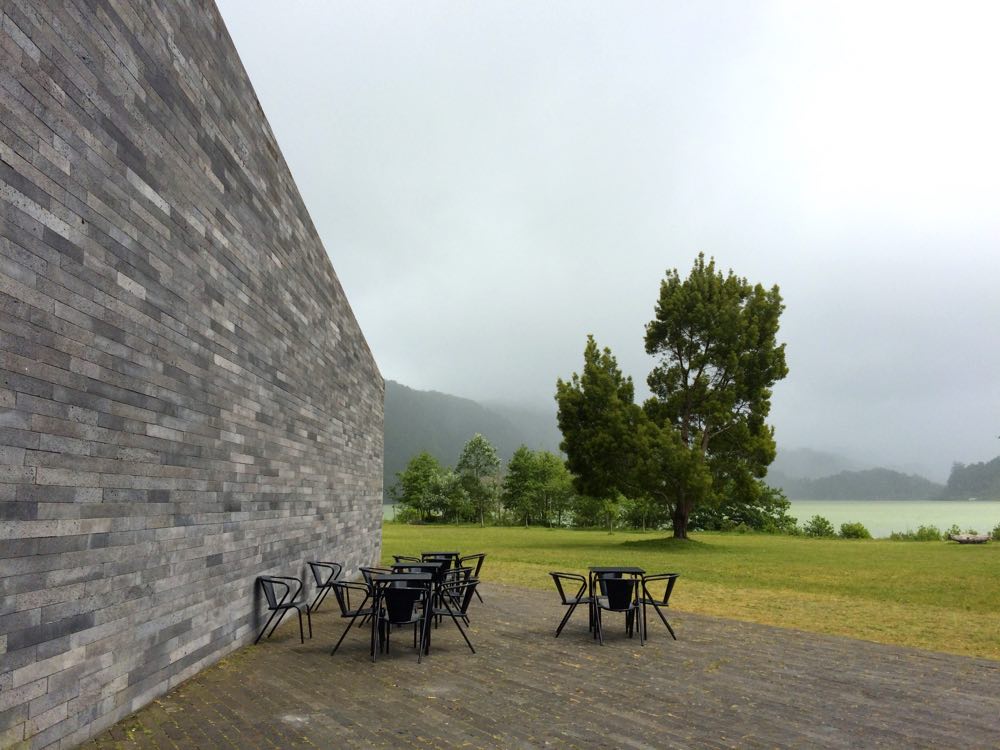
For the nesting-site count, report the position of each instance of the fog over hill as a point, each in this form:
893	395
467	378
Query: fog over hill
441	424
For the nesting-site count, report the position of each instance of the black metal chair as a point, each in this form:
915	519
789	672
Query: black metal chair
477	560
564	583
620	595
279	607
455	575
405	558
646	598
453	601
342	592
324	573
404	605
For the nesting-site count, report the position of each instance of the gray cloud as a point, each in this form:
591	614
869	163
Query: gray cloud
493	181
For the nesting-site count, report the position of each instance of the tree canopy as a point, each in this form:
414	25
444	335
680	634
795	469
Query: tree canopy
715	338
702	437
602	426
479	471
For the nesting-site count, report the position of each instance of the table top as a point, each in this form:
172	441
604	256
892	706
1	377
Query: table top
391	577
631	570
435	564
440	554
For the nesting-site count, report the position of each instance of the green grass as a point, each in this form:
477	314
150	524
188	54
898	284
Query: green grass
930	595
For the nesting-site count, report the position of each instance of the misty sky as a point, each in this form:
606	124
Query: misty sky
495	180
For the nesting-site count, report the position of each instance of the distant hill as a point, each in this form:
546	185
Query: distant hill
867	484
805	463
979	480
441	424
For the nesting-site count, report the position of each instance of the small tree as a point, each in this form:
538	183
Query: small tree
420	486
854	530
520	486
601	426
479	469
555	486
819	527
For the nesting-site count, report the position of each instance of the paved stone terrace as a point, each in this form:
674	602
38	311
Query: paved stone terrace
723	684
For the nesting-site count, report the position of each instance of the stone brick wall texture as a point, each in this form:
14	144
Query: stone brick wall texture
186	399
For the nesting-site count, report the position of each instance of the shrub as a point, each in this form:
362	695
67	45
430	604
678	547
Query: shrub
953	530
819	526
928	534
996	533
922	534
854	530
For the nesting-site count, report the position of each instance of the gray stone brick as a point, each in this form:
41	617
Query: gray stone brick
186	400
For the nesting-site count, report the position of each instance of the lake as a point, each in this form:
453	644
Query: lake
881	517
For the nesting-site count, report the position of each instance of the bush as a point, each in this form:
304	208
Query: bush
818	527
996	533
854	530
955	529
922	534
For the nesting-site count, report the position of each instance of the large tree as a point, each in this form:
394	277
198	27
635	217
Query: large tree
715	336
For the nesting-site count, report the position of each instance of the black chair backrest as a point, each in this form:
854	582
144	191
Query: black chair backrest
460	592
268	584
477	558
602	577
456	574
368	571
620	592
325	572
405	558
400	603
573	579
448	560
670	578
342	591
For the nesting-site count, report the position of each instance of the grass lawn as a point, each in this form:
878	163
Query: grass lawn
931	595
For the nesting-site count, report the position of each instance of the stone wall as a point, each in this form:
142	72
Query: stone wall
186	400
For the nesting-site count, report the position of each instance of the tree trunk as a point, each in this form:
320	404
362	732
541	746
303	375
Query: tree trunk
681	512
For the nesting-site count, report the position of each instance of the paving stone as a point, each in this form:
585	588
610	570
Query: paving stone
723	684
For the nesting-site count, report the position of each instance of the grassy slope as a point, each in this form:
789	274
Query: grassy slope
929	595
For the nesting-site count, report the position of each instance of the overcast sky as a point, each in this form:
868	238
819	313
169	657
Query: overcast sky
495	180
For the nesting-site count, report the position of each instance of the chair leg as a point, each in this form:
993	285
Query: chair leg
309	619
266	624
664	621
599	626
302	636
454	619
320	597
281	616
477	595
565	619
341	639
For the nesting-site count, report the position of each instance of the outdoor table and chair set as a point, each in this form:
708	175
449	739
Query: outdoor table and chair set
420	592
424	591
620	589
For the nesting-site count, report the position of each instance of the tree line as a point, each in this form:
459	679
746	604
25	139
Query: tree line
693	455
535	488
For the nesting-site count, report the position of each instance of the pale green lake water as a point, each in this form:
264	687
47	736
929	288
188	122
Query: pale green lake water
881	517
